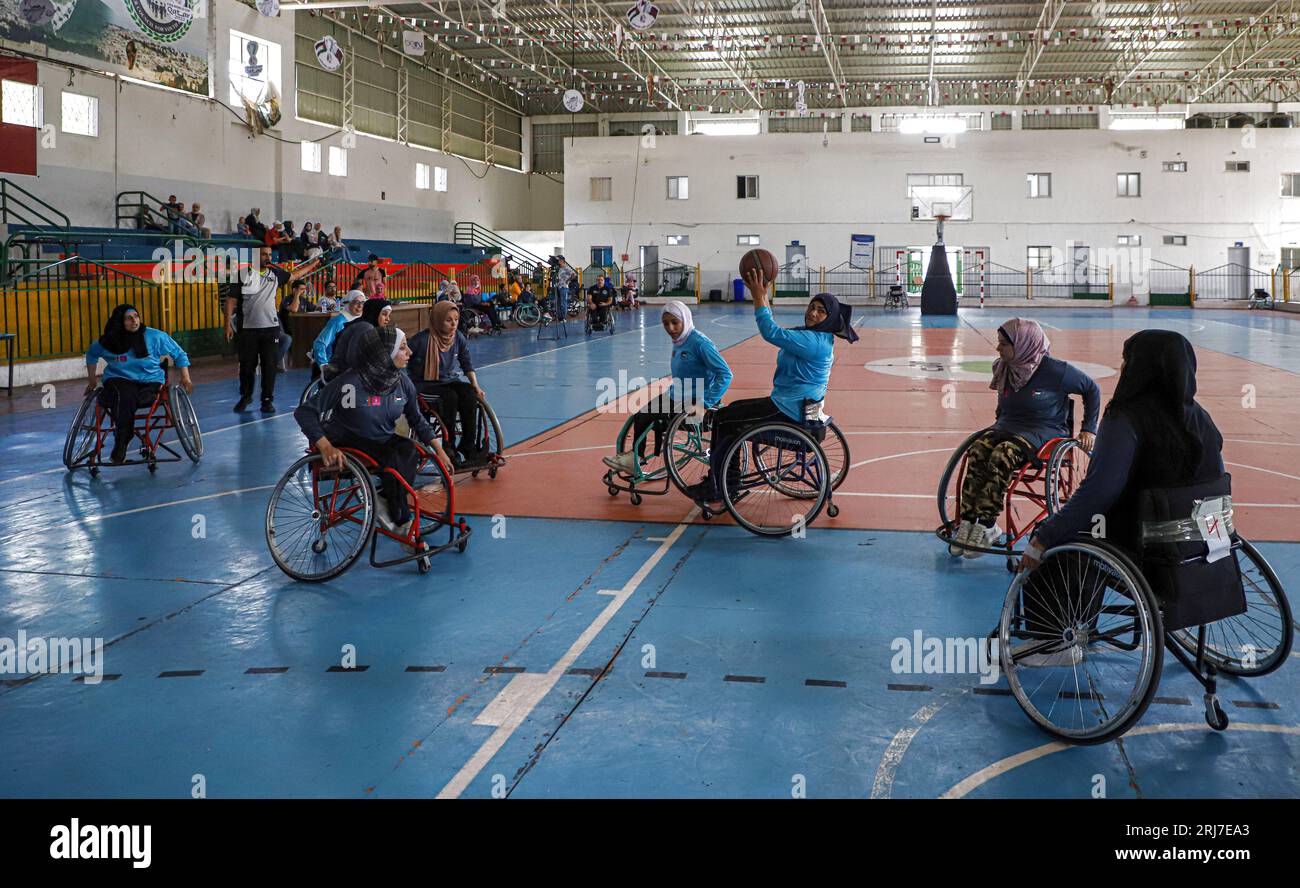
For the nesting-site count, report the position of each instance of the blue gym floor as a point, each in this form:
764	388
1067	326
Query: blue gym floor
736	666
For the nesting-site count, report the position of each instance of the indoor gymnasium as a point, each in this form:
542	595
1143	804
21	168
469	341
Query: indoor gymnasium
619	399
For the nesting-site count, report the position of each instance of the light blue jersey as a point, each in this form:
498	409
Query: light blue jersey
322	349
803	365
146	369
697	362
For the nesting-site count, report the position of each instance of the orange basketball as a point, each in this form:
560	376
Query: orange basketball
762	260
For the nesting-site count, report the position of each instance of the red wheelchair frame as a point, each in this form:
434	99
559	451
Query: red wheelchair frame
90	430
488	428
1045	482
349	503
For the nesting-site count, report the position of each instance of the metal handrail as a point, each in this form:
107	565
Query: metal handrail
469	233
6	186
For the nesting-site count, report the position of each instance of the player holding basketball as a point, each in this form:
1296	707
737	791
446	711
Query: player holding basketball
803	368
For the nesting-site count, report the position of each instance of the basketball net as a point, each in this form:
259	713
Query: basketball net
939	226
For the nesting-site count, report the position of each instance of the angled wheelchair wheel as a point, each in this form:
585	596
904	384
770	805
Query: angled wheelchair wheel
186	422
311	390
527	314
319	520
1066	470
836	450
776	481
83	434
433	486
1254	643
686	451
950	482
1081	642
489	429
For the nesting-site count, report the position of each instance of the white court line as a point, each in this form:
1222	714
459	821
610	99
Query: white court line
883	786
562	450
1269	443
997	769
926	496
510	707
180	502
923	432
876	459
1265	471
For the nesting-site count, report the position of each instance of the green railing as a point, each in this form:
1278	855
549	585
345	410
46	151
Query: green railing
475	235
18	205
131	205
414	282
72	241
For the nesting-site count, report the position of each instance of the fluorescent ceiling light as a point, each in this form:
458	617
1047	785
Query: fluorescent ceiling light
1146	123
914	125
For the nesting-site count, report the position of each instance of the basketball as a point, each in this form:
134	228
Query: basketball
762	260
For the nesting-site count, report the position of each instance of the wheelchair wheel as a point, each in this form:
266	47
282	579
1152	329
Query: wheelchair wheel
688	444
187	423
836	450
83	436
433	486
311	390
490	439
319	521
951	481
527	314
1081	642
1065	472
1254	643
779	482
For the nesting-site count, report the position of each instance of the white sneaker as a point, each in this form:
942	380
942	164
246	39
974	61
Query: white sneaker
982	537
959	536
623	462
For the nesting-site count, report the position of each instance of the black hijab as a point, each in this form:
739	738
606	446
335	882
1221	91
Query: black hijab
372	309
118	340
839	318
374	360
1157	392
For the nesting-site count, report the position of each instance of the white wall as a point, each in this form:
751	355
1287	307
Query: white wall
166	142
857	185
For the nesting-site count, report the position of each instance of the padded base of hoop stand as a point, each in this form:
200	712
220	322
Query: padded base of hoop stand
938	294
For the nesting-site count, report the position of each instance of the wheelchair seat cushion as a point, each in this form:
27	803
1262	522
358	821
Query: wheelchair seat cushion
1192	589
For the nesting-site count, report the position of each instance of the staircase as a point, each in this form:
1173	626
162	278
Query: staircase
473	234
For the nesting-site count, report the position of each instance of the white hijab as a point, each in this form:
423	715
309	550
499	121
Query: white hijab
401	338
679	310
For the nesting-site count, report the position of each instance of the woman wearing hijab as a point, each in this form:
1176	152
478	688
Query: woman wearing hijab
700	378
803	372
132	370
1153	435
1034	391
440	356
377	314
359	409
322	349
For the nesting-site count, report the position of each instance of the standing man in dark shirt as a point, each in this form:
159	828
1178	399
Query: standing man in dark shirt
251	314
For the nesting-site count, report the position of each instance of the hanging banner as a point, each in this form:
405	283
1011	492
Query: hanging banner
642	15
269	8
158	41
413	43
329	53
573	101
862	250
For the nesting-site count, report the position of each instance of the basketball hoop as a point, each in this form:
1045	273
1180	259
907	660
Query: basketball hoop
939	220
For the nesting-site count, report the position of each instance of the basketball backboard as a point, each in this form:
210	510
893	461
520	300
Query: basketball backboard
952	202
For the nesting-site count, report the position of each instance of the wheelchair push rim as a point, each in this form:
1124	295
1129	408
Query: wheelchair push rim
1254	643
187	423
836	450
318	521
1080	641
771	459
685	442
83	435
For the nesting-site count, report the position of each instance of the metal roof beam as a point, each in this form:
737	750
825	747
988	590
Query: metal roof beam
1243	47
1047	19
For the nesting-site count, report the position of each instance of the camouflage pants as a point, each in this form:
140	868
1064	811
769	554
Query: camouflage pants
992	461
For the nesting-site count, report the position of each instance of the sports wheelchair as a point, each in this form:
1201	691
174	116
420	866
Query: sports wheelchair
1038	489
773	463
171	408
682	459
489	442
896	297
319	519
596	320
1081	638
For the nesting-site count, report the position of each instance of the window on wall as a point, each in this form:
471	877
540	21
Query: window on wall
254	68
602	257
679	240
1175	240
80	115
1174	166
1128	184
311	157
1040	184
1291	184
747	187
1236	166
1038	257
1291	257
914	179
439	178
338	161
747	240
21	103
1129	240
602	188
422	178
679	187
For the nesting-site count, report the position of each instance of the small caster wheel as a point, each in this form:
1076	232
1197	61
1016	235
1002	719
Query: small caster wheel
1011	565
153	467
319	546
460	547
474	474
1215	717
94	472
608	478
636	498
833	510
492	473
613	491
706	513
424	564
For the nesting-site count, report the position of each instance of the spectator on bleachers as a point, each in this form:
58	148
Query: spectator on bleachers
329	300
293	247
311	240
147	220
276	240
256	228
200	221
374	279
242	229
177	221
337	247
